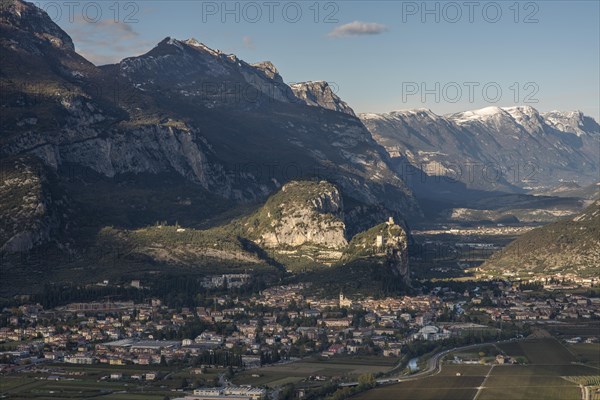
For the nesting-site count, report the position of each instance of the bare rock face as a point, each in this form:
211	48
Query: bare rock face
30	207
302	213
396	252
269	70
320	94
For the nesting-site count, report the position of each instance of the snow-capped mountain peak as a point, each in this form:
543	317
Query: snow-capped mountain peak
572	122
528	117
481	114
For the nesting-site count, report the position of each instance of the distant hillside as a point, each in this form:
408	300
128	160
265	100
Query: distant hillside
571	189
568	246
517	207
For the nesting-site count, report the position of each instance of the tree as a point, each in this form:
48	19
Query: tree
366	381
184	383
287	392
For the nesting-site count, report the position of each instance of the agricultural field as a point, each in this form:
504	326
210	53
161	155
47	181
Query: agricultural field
41	389
539	351
421	393
474	354
550	372
446	385
587	353
566	330
531	392
464	370
77	382
340	367
545	370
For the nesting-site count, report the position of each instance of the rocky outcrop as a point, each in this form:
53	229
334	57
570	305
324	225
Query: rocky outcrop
269	70
31	208
386	244
306	220
320	94
302	213
396	252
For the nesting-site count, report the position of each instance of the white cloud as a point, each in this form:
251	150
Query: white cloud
106	41
358	28
248	42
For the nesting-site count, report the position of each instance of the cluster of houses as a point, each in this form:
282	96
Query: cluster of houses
227	281
279	321
519	306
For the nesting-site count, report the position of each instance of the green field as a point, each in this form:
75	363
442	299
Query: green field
89	381
549	364
446	385
27	388
570	329
539	351
531	392
587	353
341	367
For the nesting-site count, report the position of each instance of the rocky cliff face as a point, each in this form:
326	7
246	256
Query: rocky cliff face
320	94
208	76
302	213
386	244
32	209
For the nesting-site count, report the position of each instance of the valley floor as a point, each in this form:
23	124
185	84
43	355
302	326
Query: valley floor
550	372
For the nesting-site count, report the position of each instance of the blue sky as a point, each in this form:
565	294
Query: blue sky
379	55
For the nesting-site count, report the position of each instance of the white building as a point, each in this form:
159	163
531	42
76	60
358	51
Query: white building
231	393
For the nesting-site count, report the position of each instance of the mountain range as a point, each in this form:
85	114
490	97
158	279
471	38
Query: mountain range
106	157
510	149
164	110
